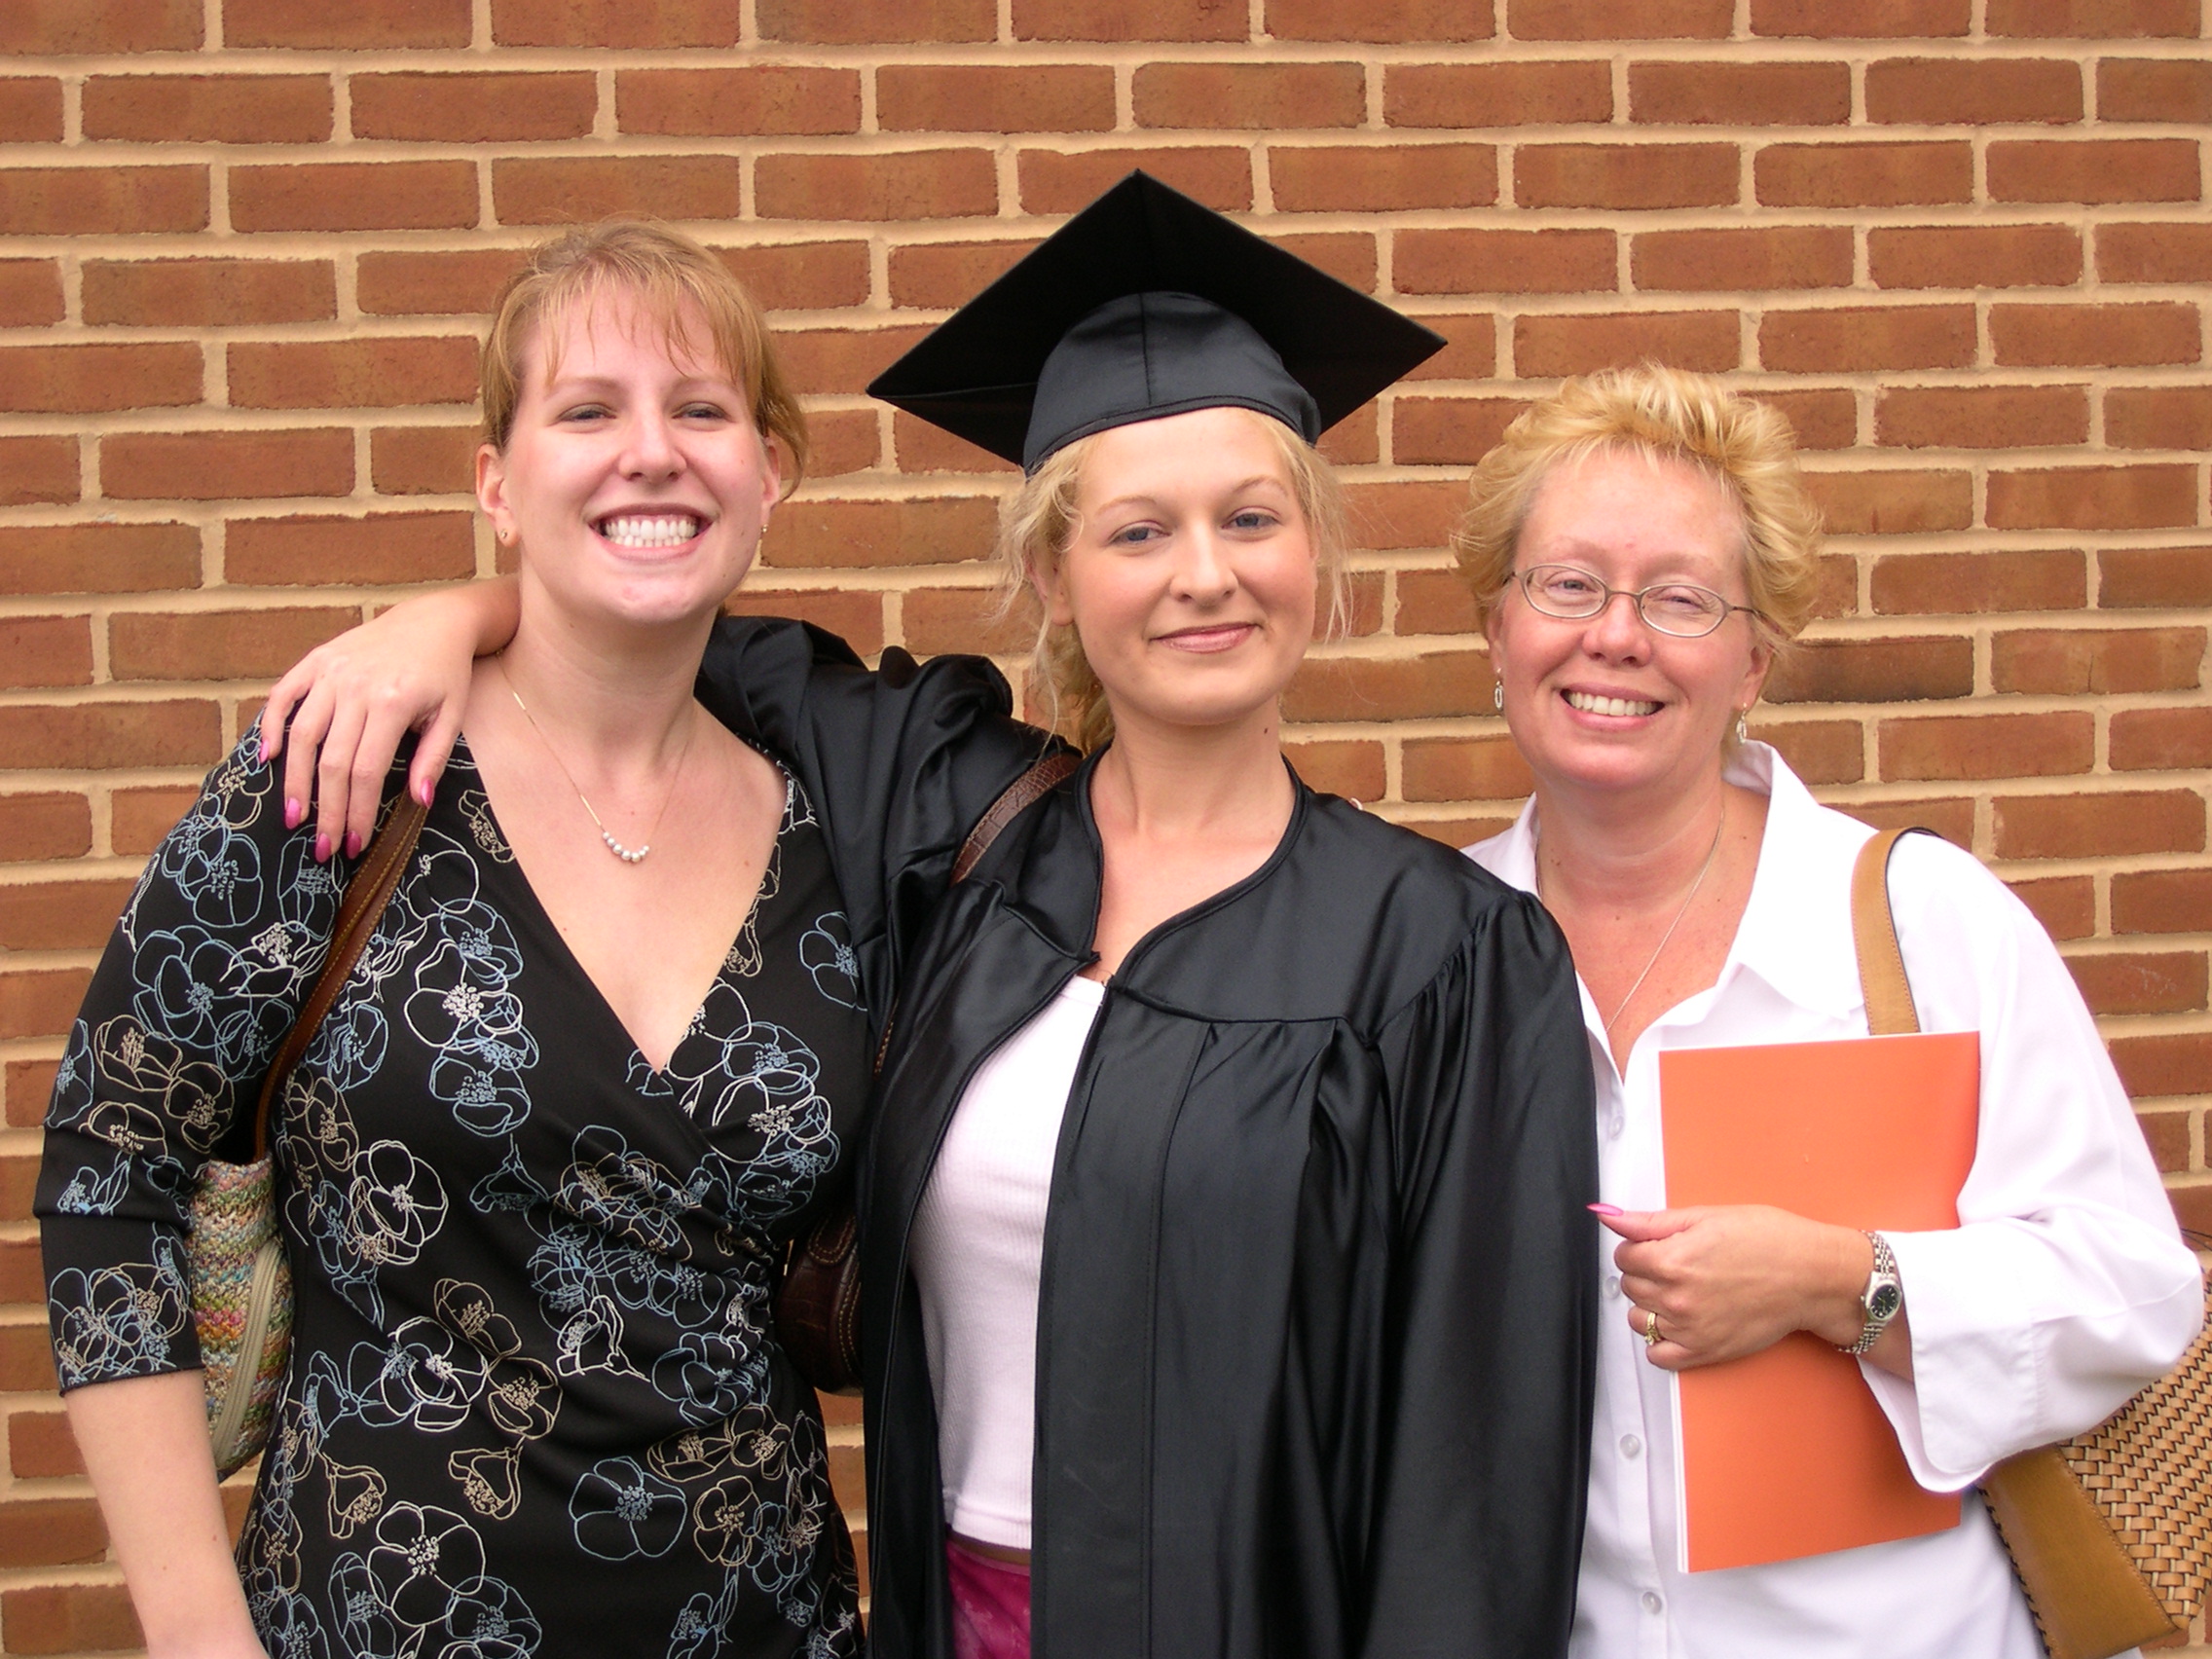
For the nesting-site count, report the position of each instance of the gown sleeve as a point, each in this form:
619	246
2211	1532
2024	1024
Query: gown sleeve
2066	1286
899	761
1486	1437
201	980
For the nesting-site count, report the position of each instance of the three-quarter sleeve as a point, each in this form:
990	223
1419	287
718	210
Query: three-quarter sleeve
1494	1305
2066	1286
199	986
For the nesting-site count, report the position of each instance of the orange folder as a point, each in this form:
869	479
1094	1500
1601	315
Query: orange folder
1787	1453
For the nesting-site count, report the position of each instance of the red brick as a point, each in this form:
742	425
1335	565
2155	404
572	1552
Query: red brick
1958	746
2097	661
58	27
1409	20
2158	417
825	360
2108	19
1495	94
84	379
209	293
207	467
1951	818
802	276
1655	19
2172	740
1716	261
945	274
69	1618
1739	93
911	184
1053	182
45	651
1385	516
219	644
1867	337
1269	96
548	191
2193	1207
2162	901
941	531
1930	91
654	25
49	1532
2173	1063
34	1003
34	469
1820	751
1378	178
1554	261
2094	497
868	22
2166	1133
979	98
2167	89
474	109
1625	175
2173	252
2141	982
40	1444
30	110
97	557
378	371
1452	831
857	618
139	818
2094	826
102	200
1901	173
965	619
1954	584
2096	336
840	441
1470	346
465	282
355	196
422	461
100	736
221	109
1984	417
60	915
1129	19
738	102
29	1087
1552	346
924	448
1350	256
1449	431
1822	419
1349	767
2065	904
1974	256
1456	768
382	548
2156	578
1873	671
31	293
2093	169
1863	20
1371	688
1835	586
363	25
44	825
1354	441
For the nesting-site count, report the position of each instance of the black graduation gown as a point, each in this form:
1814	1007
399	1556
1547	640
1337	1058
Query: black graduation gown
1318	1312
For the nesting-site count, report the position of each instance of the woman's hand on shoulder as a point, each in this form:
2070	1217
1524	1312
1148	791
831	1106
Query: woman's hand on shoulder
1730	1281
344	706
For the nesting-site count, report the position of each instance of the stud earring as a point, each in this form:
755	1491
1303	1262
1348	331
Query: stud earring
1497	695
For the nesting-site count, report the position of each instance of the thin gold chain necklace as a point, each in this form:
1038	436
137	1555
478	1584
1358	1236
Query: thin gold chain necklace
1661	949
628	855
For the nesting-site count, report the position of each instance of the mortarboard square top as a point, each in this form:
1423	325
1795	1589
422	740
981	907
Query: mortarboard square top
1147	303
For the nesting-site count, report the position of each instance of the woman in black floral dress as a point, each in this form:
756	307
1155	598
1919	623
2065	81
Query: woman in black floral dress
538	1166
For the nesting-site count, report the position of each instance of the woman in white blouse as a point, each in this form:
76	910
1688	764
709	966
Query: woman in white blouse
1640	548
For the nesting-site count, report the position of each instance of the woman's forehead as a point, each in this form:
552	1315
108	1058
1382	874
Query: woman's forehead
584	325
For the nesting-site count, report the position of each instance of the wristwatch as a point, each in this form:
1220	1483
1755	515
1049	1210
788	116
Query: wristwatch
1882	1299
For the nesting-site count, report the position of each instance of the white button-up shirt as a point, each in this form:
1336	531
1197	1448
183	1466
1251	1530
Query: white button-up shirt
2064	1289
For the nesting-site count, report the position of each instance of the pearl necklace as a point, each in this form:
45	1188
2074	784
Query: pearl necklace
628	855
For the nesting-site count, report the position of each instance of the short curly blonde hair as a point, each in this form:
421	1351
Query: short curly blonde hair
1042	520
1744	445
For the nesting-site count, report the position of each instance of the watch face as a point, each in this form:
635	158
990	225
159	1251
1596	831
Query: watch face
1883	1301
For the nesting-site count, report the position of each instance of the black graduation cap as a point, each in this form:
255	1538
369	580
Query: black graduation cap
1147	303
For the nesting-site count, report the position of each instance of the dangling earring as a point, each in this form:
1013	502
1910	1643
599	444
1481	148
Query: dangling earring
1744	726
1497	695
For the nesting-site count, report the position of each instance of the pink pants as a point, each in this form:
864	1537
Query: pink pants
990	1605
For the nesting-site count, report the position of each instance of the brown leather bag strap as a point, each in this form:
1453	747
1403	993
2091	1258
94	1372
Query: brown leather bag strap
1018	796
1890	1011
374	882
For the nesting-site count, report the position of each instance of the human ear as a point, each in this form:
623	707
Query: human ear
1052	594
491	492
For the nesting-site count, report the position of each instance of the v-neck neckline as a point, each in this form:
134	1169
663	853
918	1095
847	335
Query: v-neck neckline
661	1074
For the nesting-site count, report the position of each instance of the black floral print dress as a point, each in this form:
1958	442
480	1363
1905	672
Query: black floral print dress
535	1408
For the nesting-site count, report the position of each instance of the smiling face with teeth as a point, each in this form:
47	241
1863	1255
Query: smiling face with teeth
1608	704
634	480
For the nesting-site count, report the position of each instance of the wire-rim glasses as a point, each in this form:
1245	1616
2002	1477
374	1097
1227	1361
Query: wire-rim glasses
1682	609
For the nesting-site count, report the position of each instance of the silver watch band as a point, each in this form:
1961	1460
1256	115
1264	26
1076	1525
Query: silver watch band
1884	1277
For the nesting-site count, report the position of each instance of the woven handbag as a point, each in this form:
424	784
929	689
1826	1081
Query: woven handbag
817	1304
2111	1532
242	1285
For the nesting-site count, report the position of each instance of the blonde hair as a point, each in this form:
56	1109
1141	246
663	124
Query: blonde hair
675	280
1042	522
1741	444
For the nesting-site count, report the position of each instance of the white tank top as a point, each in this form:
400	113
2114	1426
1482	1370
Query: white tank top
978	1243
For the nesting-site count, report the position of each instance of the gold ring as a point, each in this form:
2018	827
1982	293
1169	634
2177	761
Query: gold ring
1652	1329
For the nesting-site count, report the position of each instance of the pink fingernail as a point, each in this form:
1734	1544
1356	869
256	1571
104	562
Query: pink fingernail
321	848
354	843
293	812
423	793
261	749
1606	1210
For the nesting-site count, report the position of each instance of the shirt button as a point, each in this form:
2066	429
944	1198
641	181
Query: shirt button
1652	1601
1613	1126
1631	1445
1612	1284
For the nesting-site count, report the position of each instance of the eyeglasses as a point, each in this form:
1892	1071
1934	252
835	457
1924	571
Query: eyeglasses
1683	609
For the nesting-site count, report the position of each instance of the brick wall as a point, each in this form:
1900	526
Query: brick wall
247	246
